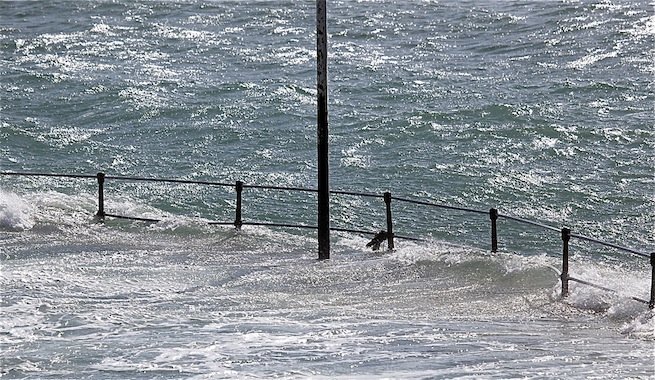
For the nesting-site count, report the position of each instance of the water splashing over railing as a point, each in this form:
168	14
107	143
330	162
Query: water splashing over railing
379	236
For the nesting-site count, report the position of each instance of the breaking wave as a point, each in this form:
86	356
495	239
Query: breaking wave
15	213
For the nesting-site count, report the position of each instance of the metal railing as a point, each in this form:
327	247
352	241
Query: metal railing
388	234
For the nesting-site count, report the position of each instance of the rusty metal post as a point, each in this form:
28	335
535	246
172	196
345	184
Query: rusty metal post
101	196
651	304
323	209
493	215
237	220
566	236
387	201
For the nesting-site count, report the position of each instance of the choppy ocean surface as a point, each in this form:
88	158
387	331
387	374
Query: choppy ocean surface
542	109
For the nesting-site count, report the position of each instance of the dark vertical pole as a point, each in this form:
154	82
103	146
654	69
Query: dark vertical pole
322	132
387	201
493	215
237	220
101	196
651	304
566	236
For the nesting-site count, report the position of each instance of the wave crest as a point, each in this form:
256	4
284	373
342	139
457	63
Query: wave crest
15	213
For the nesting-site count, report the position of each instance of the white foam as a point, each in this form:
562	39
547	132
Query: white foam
642	327
591	59
15	213
102	29
617	304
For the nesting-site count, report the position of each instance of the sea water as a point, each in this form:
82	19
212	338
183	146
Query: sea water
541	109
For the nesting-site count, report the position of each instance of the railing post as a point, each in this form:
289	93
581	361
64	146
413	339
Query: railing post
387	201
101	196
566	236
237	220
493	215
651	304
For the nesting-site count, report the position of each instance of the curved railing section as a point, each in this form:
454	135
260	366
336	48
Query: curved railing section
379	236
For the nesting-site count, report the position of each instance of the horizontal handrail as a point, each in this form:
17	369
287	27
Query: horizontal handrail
603	288
616	246
309	190
169	180
133	218
526	221
424	203
283	188
269	224
191	181
578	236
356	193
34	174
339	192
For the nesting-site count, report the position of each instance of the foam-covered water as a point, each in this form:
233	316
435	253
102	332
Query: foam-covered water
180	299
541	109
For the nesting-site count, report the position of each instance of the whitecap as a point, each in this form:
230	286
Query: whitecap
590	59
102	29
15	213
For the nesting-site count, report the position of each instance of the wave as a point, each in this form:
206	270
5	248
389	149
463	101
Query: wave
15	213
472	282
454	279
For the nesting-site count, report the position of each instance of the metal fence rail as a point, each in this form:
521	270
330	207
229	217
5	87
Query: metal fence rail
381	236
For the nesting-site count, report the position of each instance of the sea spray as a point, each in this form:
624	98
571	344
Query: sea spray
15	213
